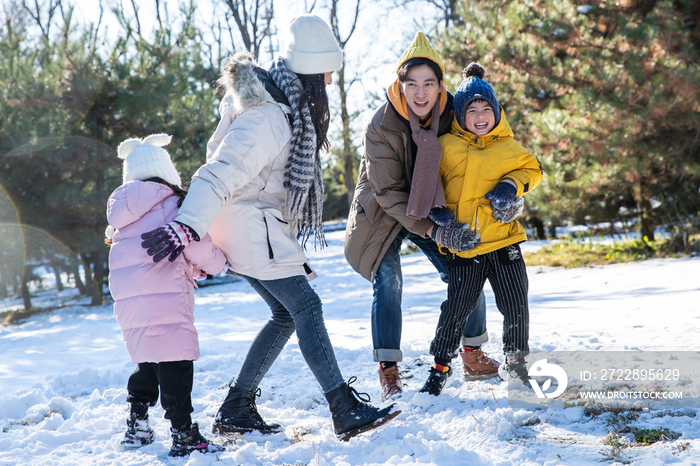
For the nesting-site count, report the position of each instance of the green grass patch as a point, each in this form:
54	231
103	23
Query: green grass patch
649	436
570	254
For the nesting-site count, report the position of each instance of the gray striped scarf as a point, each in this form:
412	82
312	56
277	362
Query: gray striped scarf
303	174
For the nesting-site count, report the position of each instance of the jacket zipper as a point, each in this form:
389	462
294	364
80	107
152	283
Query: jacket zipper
476	222
269	245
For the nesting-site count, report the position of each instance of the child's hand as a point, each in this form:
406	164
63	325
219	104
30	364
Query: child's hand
199	274
169	239
502	196
511	213
441	216
455	236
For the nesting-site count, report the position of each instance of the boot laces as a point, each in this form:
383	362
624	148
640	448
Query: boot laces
360	396
256	394
481	357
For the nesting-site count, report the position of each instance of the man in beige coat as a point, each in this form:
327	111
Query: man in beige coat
378	220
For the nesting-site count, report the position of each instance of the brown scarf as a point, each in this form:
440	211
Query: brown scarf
426	187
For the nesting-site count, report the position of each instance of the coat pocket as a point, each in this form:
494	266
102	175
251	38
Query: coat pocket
368	203
283	247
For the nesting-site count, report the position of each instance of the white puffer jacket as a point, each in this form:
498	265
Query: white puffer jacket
238	195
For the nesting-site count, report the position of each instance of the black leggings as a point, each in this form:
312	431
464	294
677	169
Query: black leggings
505	270
175	380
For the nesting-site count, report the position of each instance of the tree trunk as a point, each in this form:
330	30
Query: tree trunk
57	274
98	256
15	283
3	284
75	270
347	155
86	262
646	221
25	289
98	276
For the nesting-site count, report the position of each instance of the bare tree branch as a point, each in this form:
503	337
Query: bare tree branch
136	15
230	31
160	23
36	14
347	152
96	30
17	16
253	22
447	8
311	8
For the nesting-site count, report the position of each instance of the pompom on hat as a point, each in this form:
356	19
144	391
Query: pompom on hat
472	88
421	48
144	159
312	47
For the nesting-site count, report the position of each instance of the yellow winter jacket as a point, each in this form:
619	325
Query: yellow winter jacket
471	166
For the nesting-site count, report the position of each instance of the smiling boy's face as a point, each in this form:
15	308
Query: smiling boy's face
479	117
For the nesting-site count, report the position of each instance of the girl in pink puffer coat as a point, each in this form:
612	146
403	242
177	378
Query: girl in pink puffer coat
154	303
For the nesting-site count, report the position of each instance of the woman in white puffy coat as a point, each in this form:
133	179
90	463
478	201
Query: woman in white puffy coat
260	190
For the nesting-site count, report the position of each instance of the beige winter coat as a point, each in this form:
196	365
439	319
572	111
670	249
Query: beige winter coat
238	196
378	210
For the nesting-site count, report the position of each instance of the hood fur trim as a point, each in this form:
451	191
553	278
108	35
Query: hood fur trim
239	79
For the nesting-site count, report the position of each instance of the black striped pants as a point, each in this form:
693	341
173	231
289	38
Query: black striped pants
505	270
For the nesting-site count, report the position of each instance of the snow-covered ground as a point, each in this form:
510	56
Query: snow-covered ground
63	375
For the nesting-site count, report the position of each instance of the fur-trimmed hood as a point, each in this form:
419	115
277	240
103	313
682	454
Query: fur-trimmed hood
240	79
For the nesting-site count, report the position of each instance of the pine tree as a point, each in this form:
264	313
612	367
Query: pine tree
607	96
66	107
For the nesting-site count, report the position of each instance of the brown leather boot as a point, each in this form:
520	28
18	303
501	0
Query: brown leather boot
478	366
390	379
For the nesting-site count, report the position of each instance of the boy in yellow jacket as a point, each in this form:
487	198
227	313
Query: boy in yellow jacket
485	172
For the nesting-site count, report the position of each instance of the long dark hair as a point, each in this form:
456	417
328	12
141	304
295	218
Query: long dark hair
178	190
314	93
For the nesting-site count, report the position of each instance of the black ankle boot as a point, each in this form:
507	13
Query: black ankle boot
351	413
188	439
138	431
239	414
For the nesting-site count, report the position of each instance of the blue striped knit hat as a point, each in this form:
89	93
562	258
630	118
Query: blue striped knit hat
474	87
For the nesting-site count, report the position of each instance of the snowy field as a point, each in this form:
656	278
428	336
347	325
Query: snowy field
63	375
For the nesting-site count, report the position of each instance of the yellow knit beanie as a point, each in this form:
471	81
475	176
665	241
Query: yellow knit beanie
420	48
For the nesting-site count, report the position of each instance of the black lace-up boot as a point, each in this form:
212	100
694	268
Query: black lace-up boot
188	439
239	414
352	414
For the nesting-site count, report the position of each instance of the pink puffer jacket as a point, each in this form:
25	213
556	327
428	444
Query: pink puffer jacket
154	303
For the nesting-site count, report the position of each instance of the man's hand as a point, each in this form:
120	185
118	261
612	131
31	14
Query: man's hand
502	196
170	239
511	213
455	236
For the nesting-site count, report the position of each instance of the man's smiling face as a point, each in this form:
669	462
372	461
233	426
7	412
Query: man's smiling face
421	90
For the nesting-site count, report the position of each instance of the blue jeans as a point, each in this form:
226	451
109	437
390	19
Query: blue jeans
386	304
294	305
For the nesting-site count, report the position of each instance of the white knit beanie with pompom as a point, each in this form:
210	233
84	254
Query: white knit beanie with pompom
144	159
